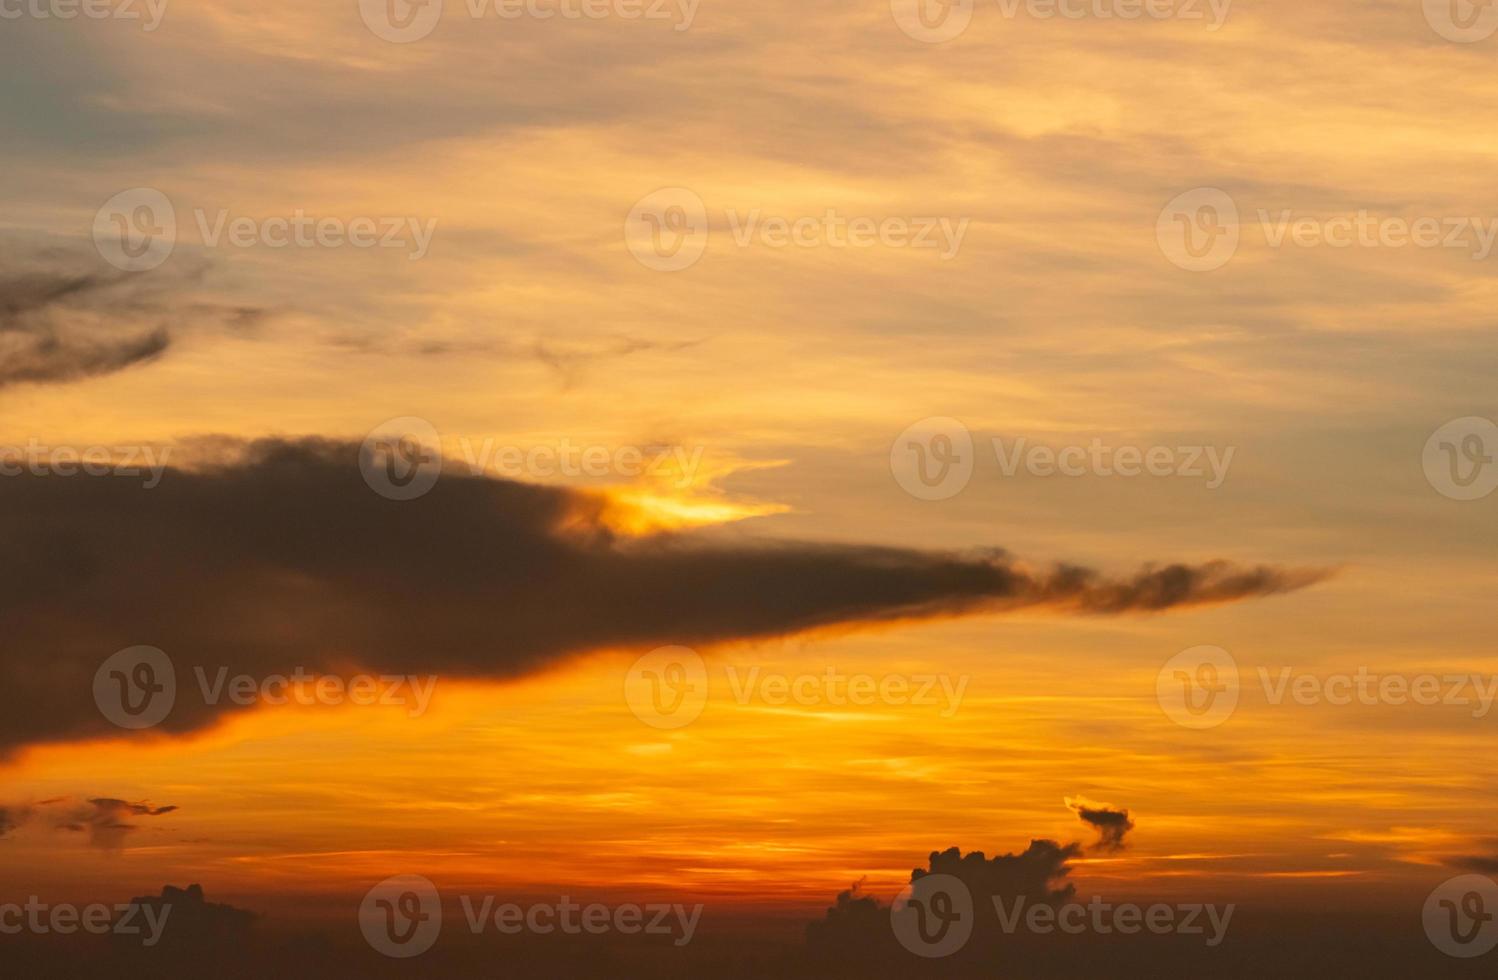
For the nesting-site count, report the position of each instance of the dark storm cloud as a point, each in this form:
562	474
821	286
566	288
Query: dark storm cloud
284	558
1111	823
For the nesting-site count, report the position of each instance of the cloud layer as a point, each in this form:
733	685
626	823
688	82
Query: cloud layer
64	317
107	821
284	558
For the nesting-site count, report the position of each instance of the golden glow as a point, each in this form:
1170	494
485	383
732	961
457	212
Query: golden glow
783	375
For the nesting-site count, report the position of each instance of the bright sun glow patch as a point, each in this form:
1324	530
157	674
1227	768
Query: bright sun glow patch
679	496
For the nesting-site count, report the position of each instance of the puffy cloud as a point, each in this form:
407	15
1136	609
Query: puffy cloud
1111	823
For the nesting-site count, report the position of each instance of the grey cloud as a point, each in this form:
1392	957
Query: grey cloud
282	557
62	319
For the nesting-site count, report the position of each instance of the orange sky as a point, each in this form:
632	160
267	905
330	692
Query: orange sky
793	371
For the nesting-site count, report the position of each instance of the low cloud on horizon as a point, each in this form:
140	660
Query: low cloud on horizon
106	820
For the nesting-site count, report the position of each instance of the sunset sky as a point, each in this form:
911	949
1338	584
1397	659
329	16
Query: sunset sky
781	378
